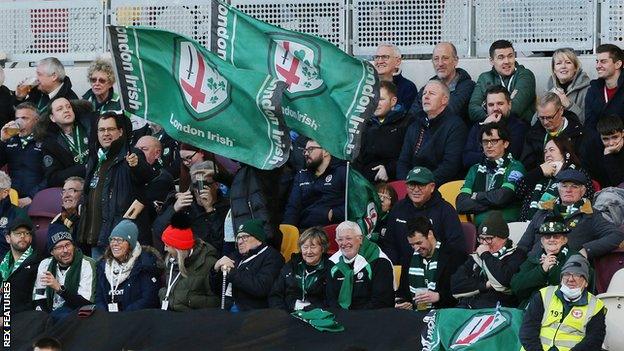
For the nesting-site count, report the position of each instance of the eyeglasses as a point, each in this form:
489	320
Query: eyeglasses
549	118
118	241
190	157
94	80
490	142
412	186
381	57
486	239
107	130
309	149
61	248
70	191
568	275
552	236
384	197
242	237
21	234
570	186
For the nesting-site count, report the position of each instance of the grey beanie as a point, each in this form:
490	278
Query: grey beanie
576	264
127	230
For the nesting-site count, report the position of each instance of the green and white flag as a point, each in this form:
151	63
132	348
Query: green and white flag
363	203
197	98
329	93
490	329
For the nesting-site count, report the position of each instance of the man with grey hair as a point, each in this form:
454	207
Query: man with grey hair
459	82
361	275
436	139
387	61
163	184
51	83
8	211
204	205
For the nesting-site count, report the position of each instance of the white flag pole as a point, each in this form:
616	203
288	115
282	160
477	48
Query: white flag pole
347	192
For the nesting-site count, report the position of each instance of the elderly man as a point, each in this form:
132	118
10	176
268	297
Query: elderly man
436	139
590	233
361	274
51	83
491	184
423	199
23	153
8	212
317	195
605	96
518	80
426	277
554	121
252	272
498	107
382	138
543	269
567	316
387	61
483	280
19	266
458	81
163	183
71	204
65	281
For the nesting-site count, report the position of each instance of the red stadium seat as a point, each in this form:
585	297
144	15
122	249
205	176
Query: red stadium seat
330	230
400	187
470	234
596	185
45	205
606	266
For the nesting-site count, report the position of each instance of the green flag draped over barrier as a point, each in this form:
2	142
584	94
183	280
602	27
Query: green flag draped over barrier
329	93
199	99
472	330
363	203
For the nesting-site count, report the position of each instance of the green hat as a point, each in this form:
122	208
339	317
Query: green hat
553	225
253	227
495	225
420	175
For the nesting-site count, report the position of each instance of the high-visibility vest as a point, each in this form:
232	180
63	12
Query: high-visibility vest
566	333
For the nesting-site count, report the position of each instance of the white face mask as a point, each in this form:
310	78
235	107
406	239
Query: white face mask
570	294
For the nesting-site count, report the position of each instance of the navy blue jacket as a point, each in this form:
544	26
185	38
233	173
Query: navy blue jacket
441	150
312	197
138	291
25	165
406	92
595	105
473	151
446	227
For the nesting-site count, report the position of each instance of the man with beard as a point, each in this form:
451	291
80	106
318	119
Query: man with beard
19	266
317	195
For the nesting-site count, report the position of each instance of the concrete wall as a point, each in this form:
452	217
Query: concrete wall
418	71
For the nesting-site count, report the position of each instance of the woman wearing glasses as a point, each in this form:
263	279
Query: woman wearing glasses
101	95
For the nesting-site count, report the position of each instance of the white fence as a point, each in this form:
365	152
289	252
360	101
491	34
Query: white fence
73	30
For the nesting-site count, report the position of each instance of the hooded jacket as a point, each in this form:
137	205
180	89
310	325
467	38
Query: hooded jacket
576	92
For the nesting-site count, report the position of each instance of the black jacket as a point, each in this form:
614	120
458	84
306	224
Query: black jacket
22	282
42	100
468	282
446	226
287	287
441	147
406	92
381	144
8	213
25	165
448	262
615	164
595	105
6	105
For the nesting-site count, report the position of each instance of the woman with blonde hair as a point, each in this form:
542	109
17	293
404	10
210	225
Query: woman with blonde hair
569	81
101	95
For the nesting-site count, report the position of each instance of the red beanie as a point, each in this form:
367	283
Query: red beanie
179	234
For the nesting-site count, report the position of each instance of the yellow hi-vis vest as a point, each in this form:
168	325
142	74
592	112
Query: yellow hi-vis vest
569	332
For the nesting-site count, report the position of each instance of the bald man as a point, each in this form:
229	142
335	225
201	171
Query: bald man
458	81
159	187
436	138
151	147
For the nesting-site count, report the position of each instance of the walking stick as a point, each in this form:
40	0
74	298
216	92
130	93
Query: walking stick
223	288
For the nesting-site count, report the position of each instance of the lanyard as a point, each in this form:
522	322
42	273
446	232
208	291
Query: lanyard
170	284
606	96
75	146
252	257
118	280
508	86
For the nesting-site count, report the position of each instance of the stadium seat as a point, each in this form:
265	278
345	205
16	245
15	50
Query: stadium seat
516	230
330	230
449	192
397	276
45	205
400	187
606	266
614	302
470	234
596	185
13	196
290	236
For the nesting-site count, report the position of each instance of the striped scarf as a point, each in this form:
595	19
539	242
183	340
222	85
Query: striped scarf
7	266
422	272
486	180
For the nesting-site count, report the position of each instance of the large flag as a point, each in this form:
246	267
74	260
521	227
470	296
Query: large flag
197	98
490	329
363	203
329	93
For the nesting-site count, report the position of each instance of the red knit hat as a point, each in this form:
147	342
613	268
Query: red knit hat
179	234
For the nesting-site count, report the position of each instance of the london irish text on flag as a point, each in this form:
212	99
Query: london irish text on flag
329	93
198	98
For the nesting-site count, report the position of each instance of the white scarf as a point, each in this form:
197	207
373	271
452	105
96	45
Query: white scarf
122	269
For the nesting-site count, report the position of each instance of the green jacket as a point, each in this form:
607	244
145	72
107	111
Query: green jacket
532	278
522	93
194	291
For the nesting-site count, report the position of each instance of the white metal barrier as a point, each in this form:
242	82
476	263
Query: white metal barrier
612	22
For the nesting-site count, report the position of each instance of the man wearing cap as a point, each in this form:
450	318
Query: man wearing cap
491	184
483	280
543	269
567	316
590	233
252	272
19	266
65	281
423	199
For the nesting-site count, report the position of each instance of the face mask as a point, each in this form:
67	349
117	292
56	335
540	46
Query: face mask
570	294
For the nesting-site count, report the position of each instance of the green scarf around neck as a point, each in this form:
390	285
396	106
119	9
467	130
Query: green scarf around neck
72	279
484	180
7	266
422	272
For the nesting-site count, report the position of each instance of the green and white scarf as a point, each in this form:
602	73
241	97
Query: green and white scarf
25	140
486	181
423	273
307	276
7	266
567	211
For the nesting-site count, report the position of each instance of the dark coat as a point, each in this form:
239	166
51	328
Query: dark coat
381	144
595	105
42	100
615	164
22	282
287	287
441	148
25	165
406	92
6	105
8	213
139	291
446	226
449	260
